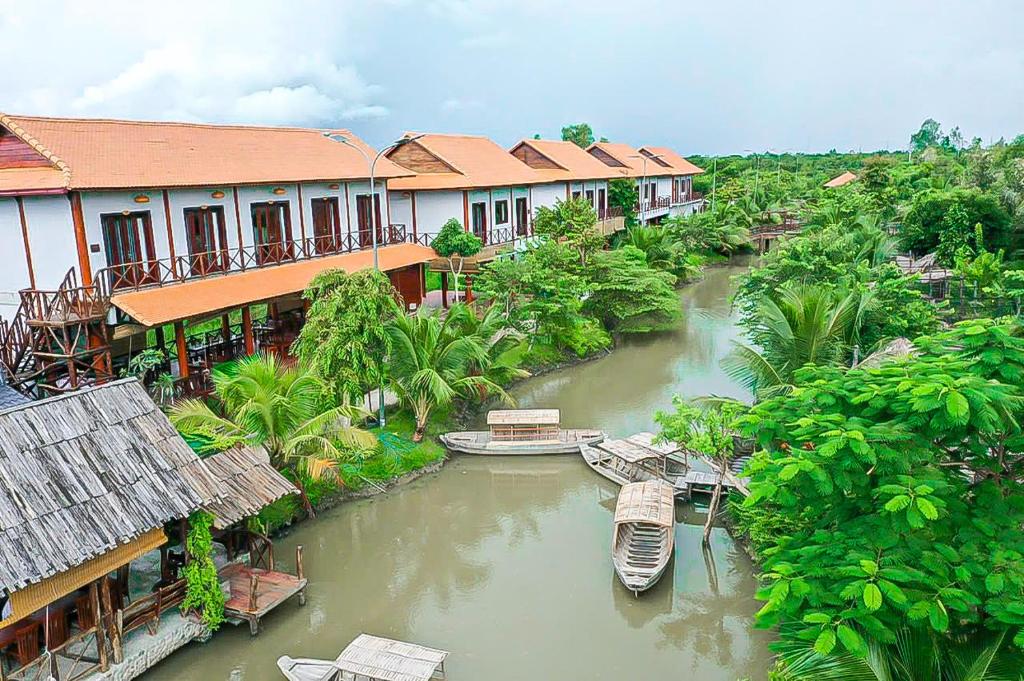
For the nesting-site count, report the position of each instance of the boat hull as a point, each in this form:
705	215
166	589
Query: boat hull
478	443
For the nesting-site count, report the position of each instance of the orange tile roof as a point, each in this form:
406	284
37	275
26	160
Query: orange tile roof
576	163
625	154
112	154
673	159
840	180
475	161
201	297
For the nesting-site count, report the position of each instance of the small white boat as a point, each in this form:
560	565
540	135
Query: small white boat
370	658
644	537
521	432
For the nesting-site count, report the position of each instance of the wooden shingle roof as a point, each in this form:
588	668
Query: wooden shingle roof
248	482
86	472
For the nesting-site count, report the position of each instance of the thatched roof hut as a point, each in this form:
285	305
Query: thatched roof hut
248	482
87	474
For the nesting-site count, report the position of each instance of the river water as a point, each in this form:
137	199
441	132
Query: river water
506	562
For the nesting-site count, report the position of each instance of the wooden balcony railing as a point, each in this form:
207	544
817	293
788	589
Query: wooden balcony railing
609	213
656	203
138	275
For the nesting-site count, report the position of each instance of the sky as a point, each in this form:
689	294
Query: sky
708	77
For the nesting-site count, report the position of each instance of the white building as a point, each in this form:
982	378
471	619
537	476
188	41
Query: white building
664	178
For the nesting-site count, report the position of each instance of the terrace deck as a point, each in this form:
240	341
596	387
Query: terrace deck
255	592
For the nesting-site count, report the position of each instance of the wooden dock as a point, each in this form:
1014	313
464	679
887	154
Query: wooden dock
255	592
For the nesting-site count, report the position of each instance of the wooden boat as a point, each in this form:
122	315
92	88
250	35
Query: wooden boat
521	432
645	517
370	658
635	459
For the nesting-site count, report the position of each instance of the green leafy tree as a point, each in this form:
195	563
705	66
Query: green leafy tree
628	296
928	135
343	339
432	362
705	427
456	244
622	194
573	222
905	482
280	408
926	220
579	134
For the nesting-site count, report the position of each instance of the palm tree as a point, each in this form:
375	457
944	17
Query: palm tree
916	655
662	251
278	407
806	325
432	363
499	341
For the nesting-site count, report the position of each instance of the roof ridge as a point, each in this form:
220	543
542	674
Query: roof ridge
541	152
8	122
68	395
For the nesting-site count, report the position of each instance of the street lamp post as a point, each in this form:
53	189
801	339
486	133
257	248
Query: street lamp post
372	163
643	180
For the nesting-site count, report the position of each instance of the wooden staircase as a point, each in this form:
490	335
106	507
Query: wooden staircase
57	341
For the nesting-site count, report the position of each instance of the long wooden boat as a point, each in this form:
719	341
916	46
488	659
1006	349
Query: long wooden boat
481	442
635	459
644	536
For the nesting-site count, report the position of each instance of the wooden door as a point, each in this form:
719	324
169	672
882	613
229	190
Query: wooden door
522	216
327	226
272	230
128	242
207	240
364	220
479	220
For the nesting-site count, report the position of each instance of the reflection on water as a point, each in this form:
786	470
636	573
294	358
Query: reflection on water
506	562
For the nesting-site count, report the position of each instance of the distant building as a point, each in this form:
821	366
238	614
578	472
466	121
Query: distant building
840	180
665	179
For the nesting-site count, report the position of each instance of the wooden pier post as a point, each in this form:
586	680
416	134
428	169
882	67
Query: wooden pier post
101	642
108	612
300	573
254	620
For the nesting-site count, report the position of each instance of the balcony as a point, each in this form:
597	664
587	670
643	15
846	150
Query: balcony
657	203
610	220
139	275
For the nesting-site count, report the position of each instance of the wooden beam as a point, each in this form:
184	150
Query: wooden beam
24	236
465	210
302	215
170	234
250	344
182	348
414	233
348	213
238	224
225	327
81	240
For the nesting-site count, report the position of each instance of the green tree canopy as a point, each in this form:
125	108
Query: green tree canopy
455	243
343	339
904	485
573	222
627	295
579	134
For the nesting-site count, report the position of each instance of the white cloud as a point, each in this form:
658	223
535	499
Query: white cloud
455	104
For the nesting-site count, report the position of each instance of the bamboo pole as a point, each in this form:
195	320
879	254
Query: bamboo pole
108	619
101	641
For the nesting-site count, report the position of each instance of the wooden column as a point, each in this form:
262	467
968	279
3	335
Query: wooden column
81	240
24	237
444	290
250	344
465	210
182	347
469	289
101	639
225	327
108	617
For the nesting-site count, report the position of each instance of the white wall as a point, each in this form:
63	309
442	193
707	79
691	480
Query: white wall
434	208
51	236
546	195
14	270
401	209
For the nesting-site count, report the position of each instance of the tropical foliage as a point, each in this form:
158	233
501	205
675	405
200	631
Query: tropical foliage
433	362
343	339
280	408
455	243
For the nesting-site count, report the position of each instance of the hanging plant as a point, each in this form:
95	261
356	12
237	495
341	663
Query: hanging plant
202	592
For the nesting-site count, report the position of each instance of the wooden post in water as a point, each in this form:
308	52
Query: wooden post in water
713	508
254	621
300	573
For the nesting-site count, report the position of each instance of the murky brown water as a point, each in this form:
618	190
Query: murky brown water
506	562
